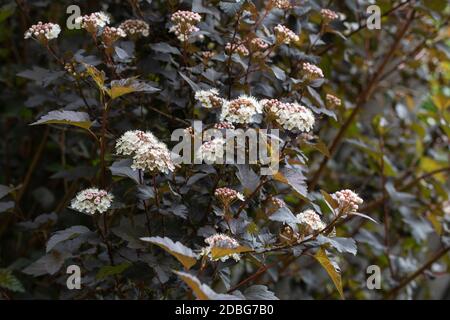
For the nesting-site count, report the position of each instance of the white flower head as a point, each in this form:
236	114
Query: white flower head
43	31
184	24
94	21
348	201
245	110
92	201
147	151
285	35
209	98
328	15
310	219
220	240
312	71
290	115
332	101
228	195
212	151
135	27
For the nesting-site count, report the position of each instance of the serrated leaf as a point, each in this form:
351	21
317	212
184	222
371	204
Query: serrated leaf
129	85
183	254
74	118
217	252
340	244
63	235
284	215
293	177
96	75
191	83
259	292
9	281
108	271
329	200
322	258
203	291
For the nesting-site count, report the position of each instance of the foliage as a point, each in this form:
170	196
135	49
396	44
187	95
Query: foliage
66	100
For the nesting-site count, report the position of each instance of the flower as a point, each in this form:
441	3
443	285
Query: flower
259	44
332	101
147	151
212	151
220	240
311	220
240	49
228	195
135	27
184	24
290	115
328	15
245	109
94	21
92	200
278	203
312	71
73	69
224	125
111	35
282	4
43	31
348	201
285	35
209	98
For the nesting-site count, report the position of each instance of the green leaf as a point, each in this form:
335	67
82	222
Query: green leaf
108	271
217	252
329	200
183	254
96	75
74	118
129	85
322	258
9	281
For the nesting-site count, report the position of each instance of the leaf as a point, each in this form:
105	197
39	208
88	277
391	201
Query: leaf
340	244
203	291
217	252
41	76
279	73
284	215
259	292
231	8
6	205
9	281
74	118
108	271
96	75
165	48
329	200
122	168
364	216
4	190
295	178
193	85
183	254
129	85
248	178
47	264
63	235
322	258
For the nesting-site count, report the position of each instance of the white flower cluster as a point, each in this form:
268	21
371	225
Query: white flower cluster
312	71
332	101
224	125
277	203
112	34
282	4
311	220
91	201
184	24
220	240
328	15
94	21
259	44
285	35
135	27
290	115
348	201
43	31
240	49
245	109
212	151
147	151
209	98
228	195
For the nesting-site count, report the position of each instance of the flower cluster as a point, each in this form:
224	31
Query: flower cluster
311	220
228	195
312	71
348	201
285	35
184	24
71	68
240	49
290	115
147	151
91	201
332	101
245	110
135	27
111	35
94	21
43	31
259	44
209	98
212	151
328	15
278	203
224	125
220	240
282	4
